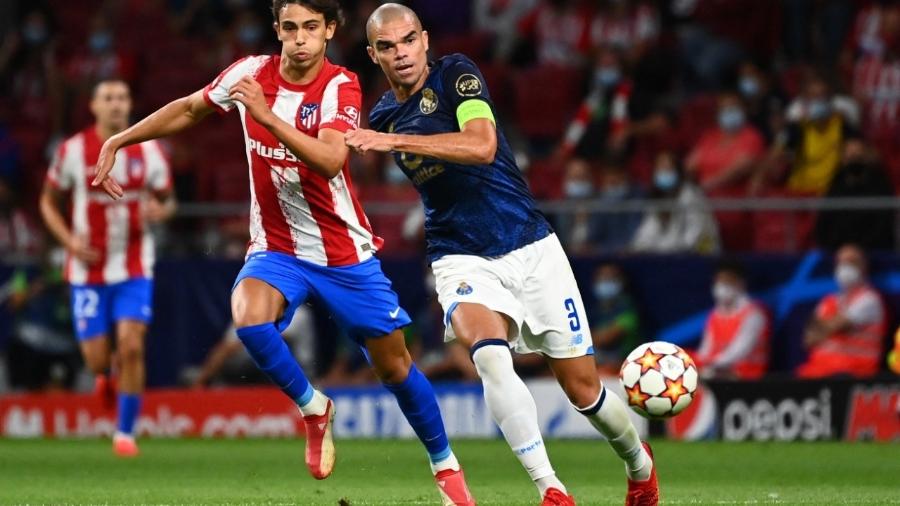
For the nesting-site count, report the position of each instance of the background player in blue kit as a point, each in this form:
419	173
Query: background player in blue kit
501	275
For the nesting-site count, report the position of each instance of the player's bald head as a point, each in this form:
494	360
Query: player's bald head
388	13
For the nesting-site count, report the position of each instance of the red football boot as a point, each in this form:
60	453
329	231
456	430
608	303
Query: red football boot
644	493
125	446
320	443
556	497
452	486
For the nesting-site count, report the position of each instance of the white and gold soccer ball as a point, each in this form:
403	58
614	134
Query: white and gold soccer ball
659	379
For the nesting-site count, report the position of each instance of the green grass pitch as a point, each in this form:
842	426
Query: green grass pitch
271	472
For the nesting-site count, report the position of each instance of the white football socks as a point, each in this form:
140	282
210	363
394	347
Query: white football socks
609	416
316	406
448	463
513	409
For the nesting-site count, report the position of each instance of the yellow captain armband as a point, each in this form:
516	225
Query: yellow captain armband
473	109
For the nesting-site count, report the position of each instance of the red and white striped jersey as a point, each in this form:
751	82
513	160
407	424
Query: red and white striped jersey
115	228
877	82
294	210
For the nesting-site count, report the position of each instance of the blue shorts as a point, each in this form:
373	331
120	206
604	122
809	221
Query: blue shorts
359	296
96	308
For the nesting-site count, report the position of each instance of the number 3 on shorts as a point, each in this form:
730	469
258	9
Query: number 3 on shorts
574	321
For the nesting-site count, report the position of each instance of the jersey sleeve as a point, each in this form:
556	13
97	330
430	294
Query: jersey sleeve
59	174
159	174
865	310
341	103
466	92
216	92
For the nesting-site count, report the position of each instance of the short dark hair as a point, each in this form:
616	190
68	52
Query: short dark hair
732	266
331	9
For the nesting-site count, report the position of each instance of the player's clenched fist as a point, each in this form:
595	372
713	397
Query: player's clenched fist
250	93
362	140
104	165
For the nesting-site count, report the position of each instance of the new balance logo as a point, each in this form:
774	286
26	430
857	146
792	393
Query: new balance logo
394	313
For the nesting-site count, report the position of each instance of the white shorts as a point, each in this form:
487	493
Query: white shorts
533	286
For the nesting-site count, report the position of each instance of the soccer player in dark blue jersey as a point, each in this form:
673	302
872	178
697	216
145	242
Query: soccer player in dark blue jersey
502	277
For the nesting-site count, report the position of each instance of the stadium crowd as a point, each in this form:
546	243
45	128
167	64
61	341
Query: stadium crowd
681	103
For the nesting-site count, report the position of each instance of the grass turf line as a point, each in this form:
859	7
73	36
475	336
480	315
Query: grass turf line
368	472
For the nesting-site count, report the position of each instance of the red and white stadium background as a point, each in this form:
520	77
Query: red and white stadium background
767	410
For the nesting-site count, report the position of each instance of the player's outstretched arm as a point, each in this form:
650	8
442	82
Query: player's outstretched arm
171	118
476	144
324	155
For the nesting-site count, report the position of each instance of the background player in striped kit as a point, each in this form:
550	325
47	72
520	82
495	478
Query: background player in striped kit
110	249
309	236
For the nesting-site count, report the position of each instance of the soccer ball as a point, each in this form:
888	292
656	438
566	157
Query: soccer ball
659	379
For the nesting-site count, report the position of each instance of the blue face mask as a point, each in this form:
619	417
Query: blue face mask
616	192
665	180
34	34
578	189
818	109
100	41
607	77
607	289
749	86
731	118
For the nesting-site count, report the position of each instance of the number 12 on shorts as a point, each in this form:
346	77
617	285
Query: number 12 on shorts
574	320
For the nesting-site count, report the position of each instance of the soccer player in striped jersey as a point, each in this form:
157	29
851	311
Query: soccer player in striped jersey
501	275
110	249
310	239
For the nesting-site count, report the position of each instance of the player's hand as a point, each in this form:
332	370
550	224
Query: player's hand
250	93
155	211
82	250
362	140
104	165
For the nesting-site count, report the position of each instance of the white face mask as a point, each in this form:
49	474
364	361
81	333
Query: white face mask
847	275
723	293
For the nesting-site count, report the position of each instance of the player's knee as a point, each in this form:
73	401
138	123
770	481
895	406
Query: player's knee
582	391
392	369
131	349
493	360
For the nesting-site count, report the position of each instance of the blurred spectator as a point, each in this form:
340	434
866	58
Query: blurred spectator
43	354
612	232
820	123
603	115
229	359
560	30
893	359
500	19
820	25
860	175
689	227
868	36
29	75
103	58
736	336
762	100
629	26
19	235
726	155
876	84
706	47
846	331
616	328
574	227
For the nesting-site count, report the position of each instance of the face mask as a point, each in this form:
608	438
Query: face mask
249	35
607	77
818	110
578	189
607	289
34	34
847	275
749	86
616	192
100	41
395	175
731	118
665	180
724	293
